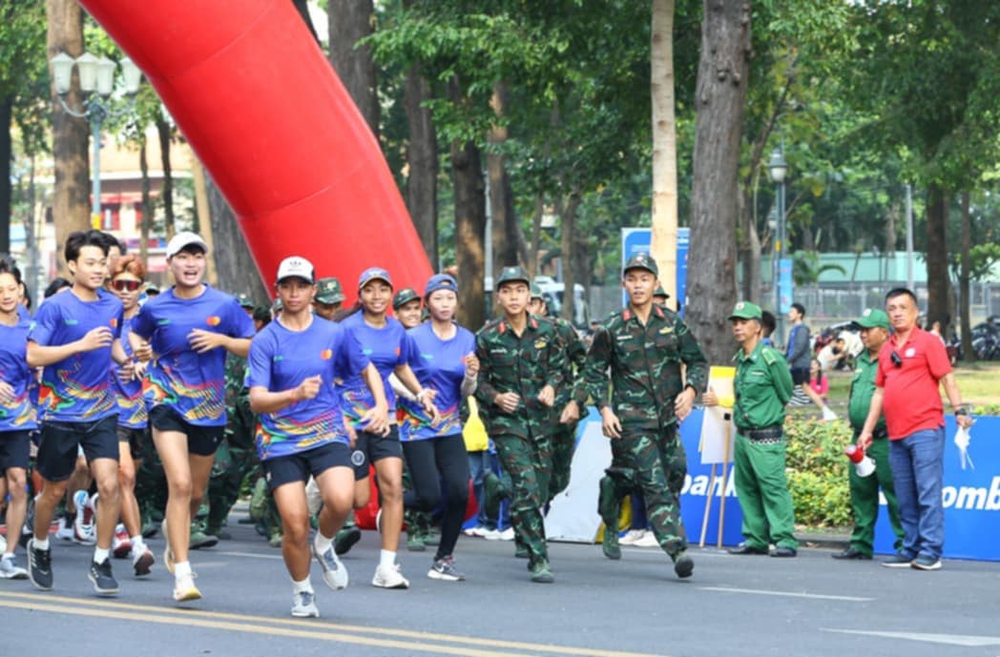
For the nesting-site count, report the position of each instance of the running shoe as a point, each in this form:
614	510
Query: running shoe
507	534
185	590
898	560
346	539
444	569
142	562
334	573
40	567
389	578
10	570
926	562
168	554
65	531
304	605
100	575
121	545
631	536
83	524
649	540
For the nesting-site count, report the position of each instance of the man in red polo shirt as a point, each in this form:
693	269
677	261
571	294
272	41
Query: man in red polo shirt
912	366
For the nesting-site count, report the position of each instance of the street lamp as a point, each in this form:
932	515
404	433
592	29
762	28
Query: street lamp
777	168
97	81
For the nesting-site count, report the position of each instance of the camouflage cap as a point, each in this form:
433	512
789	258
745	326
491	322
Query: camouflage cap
403	297
512	274
245	300
329	291
536	292
660	292
642	260
746	310
872	318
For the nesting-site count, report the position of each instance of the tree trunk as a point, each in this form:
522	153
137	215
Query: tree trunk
163	131
719	101
506	227
965	319
568	252
349	23
470	228
664	234
146	204
236	269
422	161
6	157
938	279
71	192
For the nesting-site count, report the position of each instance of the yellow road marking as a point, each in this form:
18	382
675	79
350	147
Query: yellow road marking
334	632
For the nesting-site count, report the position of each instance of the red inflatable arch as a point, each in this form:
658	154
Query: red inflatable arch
266	114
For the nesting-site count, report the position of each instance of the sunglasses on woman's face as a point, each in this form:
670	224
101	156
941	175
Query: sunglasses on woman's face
123	285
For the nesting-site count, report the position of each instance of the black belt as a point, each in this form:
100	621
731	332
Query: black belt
878	434
766	435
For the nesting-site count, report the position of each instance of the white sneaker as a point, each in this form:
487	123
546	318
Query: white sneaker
142	561
334	574
493	535
478	531
304	605
649	540
121	544
389	578
65	531
83	525
10	570
631	536
185	590
828	415
507	534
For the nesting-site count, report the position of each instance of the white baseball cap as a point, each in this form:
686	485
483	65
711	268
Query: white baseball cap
298	267
184	239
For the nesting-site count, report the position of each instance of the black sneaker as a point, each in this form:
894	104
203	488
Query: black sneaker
346	539
104	582
40	567
898	560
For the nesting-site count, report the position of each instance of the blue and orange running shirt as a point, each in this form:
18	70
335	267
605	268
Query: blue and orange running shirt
440	366
190	384
131	406
387	348
78	388
17	414
281	359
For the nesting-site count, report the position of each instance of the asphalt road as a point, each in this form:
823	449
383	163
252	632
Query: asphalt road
733	606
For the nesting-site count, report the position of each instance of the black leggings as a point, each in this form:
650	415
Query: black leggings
430	462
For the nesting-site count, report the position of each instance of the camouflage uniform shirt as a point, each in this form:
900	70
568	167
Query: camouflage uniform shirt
576	358
645	364
523	365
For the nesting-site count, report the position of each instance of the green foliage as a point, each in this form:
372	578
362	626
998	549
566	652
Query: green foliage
24	69
817	471
806	268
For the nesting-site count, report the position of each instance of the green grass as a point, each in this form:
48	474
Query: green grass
976	382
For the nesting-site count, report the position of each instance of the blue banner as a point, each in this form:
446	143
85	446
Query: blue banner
638	240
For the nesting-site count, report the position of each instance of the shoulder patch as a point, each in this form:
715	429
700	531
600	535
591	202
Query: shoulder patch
768	355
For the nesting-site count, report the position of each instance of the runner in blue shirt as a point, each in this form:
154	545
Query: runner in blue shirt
127	278
292	366
75	337
17	413
383	340
443	356
185	333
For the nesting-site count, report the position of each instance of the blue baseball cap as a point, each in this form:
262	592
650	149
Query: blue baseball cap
374	274
440	282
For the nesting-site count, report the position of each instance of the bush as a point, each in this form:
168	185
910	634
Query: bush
817	471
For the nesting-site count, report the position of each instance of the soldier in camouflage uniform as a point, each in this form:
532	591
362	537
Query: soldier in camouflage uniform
644	346
234	458
564	438
329	297
522	367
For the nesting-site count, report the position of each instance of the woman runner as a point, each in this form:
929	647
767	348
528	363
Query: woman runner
442	355
293	363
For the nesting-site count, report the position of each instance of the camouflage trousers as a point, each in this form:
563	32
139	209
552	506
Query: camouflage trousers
231	466
151	485
653	462
563	446
529	464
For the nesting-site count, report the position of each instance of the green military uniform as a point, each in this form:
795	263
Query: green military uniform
864	490
523	364
564	438
762	387
646	378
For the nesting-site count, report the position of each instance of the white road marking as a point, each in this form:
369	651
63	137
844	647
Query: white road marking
787	594
966	640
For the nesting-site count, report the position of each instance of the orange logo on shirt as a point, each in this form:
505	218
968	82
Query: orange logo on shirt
397	351
326	354
114	322
213	320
